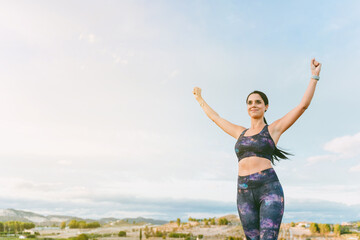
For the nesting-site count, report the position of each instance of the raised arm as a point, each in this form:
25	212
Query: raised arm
228	127
282	124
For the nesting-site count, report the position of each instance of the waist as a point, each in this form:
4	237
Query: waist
254	154
257	179
253	164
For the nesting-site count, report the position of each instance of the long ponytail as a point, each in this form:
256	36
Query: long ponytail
278	153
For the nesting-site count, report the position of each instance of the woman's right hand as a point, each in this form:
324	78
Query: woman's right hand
197	93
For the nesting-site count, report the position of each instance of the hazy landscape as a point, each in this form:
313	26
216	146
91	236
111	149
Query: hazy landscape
17	224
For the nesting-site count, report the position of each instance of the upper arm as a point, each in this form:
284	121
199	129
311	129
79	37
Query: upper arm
228	127
282	124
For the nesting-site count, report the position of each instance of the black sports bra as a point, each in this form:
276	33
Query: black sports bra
261	145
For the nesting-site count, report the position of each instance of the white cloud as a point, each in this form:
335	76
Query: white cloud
118	59
173	74
90	38
346	194
355	168
342	148
321	158
346	146
64	162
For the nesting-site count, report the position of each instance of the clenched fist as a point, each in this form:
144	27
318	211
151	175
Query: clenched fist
197	93
315	67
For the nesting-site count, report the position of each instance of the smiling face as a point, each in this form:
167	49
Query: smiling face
256	106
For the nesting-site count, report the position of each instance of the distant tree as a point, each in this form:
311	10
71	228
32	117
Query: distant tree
134	222
324	228
28	225
292	224
337	229
178	222
158	233
314	228
223	221
63	225
344	229
122	234
82	224
73	224
93	225
212	221
18	226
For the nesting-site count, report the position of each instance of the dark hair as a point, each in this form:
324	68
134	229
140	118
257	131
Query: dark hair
277	153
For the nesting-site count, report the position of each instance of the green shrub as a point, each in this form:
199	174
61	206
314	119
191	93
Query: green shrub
178	235
233	238
223	221
82	237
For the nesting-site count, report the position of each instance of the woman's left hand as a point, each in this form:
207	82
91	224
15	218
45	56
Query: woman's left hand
315	67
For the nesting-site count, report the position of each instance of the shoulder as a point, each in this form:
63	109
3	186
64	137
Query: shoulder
241	131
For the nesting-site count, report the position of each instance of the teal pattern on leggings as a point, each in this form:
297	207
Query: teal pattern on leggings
260	203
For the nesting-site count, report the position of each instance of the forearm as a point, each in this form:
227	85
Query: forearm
208	110
309	93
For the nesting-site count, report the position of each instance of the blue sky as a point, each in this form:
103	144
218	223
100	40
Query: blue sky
99	120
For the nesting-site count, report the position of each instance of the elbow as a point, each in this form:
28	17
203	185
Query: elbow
304	107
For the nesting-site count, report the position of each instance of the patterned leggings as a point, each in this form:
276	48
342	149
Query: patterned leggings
260	203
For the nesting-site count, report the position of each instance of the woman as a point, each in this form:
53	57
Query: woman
260	197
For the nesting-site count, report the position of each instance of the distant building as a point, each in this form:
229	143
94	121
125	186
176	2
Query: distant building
45	228
346	224
305	224
29	231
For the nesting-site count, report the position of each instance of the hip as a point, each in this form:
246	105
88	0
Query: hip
257	179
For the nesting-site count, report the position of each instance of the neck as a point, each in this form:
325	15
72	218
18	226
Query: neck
257	123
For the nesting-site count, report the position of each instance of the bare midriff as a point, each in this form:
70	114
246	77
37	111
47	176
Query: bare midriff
253	164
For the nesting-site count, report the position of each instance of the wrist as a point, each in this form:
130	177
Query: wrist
201	102
316	77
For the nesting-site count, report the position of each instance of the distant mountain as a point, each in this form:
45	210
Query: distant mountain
24	216
355	221
145	220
